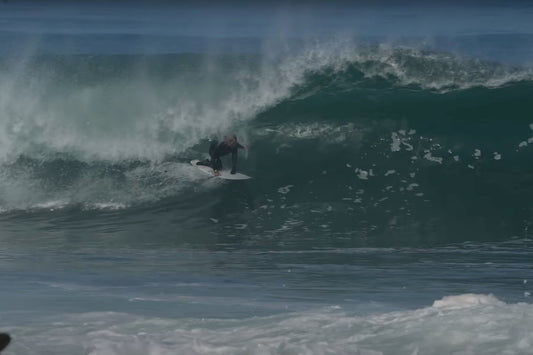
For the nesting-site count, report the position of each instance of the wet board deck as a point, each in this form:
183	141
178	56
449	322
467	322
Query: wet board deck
224	174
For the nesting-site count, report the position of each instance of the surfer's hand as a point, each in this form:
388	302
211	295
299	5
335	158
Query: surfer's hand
233	171
217	173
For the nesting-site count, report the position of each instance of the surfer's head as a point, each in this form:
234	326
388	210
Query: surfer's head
231	140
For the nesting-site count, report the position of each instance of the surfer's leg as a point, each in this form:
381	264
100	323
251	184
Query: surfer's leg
212	147
206	162
216	164
210	162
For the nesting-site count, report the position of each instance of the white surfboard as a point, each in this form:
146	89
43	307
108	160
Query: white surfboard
224	174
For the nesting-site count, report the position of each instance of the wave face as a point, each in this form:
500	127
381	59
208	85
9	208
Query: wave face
368	142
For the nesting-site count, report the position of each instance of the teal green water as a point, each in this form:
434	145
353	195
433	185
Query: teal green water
387	148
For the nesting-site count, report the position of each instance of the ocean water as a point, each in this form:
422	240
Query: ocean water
390	145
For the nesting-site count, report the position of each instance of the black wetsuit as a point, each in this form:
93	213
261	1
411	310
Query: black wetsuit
217	150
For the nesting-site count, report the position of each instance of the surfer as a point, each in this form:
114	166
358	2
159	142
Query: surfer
217	150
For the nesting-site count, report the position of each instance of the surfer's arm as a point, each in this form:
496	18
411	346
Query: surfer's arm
234	161
234	158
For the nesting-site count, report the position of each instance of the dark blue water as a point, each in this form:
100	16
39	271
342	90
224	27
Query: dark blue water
389	210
